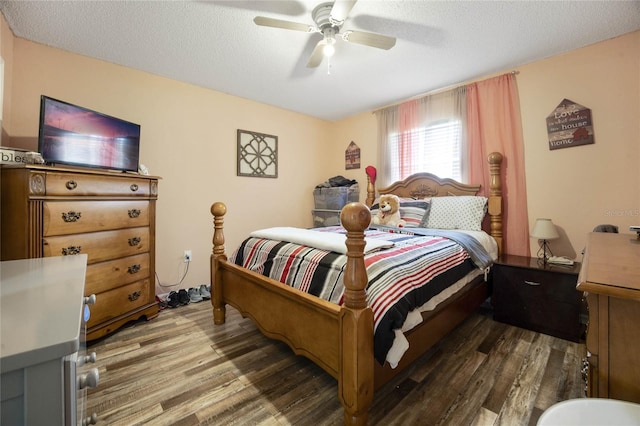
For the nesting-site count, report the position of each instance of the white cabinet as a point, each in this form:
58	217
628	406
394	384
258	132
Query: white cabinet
42	329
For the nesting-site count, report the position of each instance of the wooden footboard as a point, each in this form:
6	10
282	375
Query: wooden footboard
337	338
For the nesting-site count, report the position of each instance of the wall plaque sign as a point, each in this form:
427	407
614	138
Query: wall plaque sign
352	157
569	125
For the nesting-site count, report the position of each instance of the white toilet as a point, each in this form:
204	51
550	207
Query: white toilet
591	411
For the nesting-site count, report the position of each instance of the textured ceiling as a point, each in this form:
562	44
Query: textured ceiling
215	44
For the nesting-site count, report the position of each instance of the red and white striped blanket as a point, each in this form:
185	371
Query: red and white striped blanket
401	278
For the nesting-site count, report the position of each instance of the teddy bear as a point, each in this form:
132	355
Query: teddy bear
388	211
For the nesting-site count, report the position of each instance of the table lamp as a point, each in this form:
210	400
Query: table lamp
544	230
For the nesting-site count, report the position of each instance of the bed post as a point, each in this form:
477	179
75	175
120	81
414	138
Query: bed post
355	375
495	198
218	210
371	192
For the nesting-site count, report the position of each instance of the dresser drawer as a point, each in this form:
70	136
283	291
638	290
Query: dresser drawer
105	276
76	217
79	184
99	246
118	301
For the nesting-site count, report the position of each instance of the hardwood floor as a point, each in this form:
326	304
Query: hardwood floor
180	369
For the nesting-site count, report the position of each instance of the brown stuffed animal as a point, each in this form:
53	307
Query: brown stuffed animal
389	211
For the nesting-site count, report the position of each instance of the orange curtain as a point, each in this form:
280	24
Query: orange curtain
494	124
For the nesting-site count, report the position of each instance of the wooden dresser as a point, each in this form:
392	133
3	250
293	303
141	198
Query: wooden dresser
610	276
110	216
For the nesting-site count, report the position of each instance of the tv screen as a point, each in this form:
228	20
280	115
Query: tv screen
70	134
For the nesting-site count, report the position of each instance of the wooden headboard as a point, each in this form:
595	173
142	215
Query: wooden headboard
425	185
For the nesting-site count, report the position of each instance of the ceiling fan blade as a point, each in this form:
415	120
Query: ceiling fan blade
287	25
369	39
340	11
317	55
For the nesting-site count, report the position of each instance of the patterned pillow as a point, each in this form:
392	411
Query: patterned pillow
464	212
425	219
411	211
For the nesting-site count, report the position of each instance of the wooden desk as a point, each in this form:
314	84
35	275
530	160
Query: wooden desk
610	275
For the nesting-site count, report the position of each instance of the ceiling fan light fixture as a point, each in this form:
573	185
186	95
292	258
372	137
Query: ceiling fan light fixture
329	42
329	47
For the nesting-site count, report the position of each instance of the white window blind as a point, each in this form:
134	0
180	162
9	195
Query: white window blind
435	149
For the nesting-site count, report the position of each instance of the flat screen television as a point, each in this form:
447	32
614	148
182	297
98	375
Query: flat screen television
73	135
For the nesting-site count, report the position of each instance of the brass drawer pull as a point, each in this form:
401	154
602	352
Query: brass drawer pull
531	283
71	216
71	185
134	269
134	296
133	213
134	187
134	241
71	250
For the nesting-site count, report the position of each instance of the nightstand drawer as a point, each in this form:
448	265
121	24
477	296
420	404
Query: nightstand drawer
538	285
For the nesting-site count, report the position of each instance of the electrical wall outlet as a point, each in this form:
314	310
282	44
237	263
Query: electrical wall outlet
187	256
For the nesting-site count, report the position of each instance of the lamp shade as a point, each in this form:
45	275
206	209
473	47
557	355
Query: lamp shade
544	229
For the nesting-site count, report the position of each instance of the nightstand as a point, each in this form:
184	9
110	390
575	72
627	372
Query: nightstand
538	297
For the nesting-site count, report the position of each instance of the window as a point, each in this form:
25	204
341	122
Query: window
435	148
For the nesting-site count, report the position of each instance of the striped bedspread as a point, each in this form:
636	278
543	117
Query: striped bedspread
401	278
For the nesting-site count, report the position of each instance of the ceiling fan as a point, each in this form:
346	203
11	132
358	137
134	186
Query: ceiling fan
329	18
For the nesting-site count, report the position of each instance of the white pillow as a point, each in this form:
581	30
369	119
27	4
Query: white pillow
464	212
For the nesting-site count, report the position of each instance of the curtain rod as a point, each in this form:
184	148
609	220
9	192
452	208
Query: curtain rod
433	92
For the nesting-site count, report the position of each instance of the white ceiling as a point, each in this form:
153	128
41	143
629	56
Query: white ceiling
215	44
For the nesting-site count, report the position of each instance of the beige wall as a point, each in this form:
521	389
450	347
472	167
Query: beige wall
188	138
361	129
579	187
584	186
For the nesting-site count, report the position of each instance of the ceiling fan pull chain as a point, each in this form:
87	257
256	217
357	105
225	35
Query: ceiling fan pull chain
329	65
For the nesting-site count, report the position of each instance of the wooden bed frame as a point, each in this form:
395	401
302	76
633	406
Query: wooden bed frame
340	338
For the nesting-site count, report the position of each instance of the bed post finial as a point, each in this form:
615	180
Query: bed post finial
218	210
495	198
